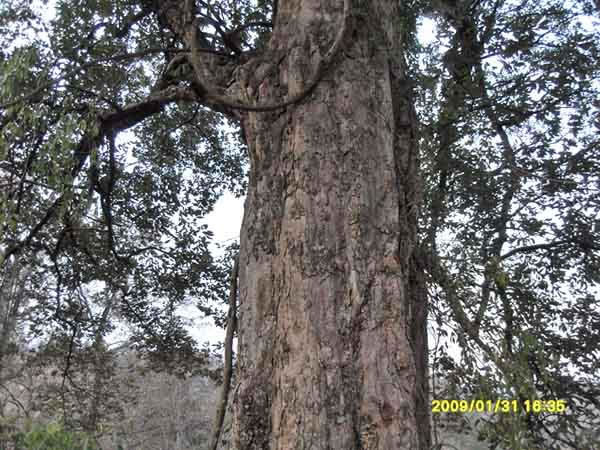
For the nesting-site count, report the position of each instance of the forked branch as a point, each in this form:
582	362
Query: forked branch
211	93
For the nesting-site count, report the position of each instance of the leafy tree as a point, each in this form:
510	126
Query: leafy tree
103	234
512	208
115	142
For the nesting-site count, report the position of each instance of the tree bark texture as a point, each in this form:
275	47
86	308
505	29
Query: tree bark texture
326	357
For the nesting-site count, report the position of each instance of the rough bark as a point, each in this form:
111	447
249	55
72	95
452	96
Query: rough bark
326	356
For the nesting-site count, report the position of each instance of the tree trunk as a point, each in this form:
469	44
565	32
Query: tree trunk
326	356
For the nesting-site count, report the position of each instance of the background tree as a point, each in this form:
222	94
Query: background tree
512	200
103	234
204	55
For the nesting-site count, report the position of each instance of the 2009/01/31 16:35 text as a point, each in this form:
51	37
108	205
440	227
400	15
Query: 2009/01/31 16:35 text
498	406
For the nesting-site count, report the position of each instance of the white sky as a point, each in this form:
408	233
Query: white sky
225	222
226	219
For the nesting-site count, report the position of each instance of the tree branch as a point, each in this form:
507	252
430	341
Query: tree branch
228	369
211	92
532	248
107	123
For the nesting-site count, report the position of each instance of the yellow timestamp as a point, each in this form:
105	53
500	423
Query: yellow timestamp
498	406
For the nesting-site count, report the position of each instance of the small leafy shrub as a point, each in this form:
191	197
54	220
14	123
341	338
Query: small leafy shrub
54	437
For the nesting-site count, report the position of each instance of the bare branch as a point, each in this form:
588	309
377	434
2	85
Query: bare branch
228	369
247	25
533	248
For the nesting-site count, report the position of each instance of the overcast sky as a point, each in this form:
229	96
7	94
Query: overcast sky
225	222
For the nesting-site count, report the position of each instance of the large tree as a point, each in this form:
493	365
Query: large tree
326	358
326	352
511	213
338	251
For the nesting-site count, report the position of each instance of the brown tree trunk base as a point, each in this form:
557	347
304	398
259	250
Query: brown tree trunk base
326	358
